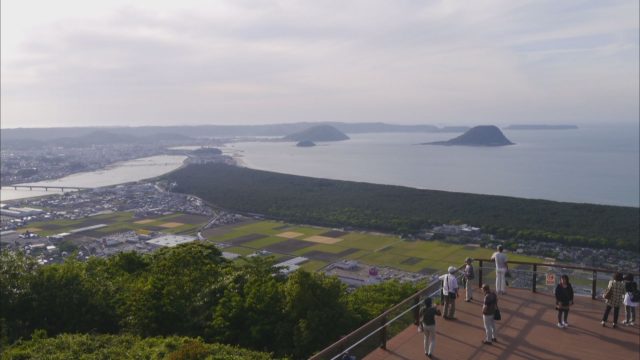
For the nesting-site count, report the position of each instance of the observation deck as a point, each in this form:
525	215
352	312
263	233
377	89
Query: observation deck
527	331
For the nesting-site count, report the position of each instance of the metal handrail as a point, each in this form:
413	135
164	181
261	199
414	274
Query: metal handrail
353	339
534	272
347	350
561	266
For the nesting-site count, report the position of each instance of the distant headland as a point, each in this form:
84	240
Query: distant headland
484	135
318	133
541	127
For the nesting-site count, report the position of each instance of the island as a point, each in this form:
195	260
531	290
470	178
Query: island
306	143
318	133
541	127
484	135
207	151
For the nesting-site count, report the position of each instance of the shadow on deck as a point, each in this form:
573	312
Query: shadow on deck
527	331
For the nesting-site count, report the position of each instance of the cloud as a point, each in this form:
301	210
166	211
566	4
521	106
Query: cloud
282	61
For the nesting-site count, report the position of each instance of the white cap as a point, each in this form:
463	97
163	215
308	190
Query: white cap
452	269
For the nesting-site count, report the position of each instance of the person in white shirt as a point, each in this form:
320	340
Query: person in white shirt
450	292
501	270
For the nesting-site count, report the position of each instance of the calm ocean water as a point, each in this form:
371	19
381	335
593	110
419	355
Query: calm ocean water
594	164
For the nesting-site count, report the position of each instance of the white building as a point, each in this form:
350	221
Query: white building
171	240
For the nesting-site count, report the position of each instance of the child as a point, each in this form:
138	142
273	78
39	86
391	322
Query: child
631	288
564	300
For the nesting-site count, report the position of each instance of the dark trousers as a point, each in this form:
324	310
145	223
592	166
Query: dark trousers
616	312
566	314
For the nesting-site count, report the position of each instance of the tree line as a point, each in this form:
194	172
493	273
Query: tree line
399	209
189	291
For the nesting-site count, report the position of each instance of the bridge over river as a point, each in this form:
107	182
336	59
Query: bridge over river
45	187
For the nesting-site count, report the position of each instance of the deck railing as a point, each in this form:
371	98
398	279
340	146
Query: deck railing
375	333
539	277
543	277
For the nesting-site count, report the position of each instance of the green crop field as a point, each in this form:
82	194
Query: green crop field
368	248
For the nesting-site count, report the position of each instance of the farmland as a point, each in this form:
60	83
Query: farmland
324	246
321	245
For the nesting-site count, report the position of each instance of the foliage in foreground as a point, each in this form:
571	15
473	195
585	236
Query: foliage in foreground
399	209
84	346
189	290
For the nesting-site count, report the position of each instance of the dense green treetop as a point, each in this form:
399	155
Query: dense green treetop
188	290
126	346
399	209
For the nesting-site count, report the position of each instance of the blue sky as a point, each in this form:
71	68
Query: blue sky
78	63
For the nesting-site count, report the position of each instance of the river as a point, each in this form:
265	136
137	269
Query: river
118	173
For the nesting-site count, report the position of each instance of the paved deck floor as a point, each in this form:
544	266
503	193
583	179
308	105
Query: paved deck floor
527	331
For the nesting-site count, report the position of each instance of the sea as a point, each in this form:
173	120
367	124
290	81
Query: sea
596	164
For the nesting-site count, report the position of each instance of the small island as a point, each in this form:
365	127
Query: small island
318	133
306	143
207	151
541	127
484	135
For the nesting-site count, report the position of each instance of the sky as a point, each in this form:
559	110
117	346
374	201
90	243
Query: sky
188	62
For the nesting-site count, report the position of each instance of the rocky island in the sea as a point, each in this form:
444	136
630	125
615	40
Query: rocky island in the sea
318	133
305	143
484	135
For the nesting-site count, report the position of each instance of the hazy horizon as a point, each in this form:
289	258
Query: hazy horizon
73	63
634	124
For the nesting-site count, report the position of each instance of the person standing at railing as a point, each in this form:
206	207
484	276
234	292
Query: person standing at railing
489	307
427	325
613	298
564	300
450	292
501	269
631	288
468	277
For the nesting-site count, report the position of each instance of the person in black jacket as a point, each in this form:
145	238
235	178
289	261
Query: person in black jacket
564	300
427	325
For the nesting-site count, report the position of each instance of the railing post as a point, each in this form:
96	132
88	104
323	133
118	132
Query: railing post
416	310
593	285
383	333
535	277
479	273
